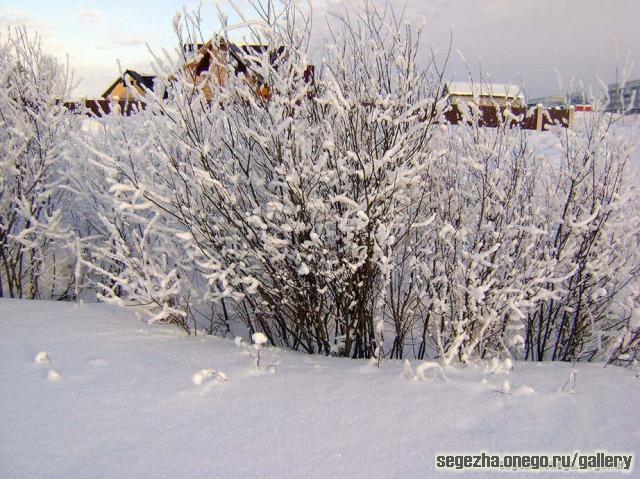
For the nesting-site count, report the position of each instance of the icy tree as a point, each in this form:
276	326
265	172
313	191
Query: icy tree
470	270
131	251
35	144
286	205
326	207
591	219
516	236
625	341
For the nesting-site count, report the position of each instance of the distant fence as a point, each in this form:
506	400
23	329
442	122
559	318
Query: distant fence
99	108
534	118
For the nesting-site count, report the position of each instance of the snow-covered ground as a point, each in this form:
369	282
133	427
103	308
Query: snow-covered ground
125	403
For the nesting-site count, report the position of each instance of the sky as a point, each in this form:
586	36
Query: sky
526	42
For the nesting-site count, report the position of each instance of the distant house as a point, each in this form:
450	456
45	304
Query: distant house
210	65
485	94
217	59
119	89
625	97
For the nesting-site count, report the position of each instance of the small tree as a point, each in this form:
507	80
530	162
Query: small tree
590	216
286	207
35	145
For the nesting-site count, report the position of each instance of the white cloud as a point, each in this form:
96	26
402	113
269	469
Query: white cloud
89	13
518	40
129	41
11	17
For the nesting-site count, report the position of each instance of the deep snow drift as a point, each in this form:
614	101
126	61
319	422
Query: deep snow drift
91	391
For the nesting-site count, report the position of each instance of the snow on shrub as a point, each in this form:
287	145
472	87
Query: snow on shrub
36	143
336	213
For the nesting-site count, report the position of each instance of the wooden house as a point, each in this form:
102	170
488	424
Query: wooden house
119	90
217	60
209	66
485	94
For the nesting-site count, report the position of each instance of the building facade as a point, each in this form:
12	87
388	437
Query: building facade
130	86
625	97
485	94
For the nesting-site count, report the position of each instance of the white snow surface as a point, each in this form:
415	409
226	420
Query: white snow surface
125	405
485	89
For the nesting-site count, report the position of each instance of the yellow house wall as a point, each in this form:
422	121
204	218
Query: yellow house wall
488	100
121	92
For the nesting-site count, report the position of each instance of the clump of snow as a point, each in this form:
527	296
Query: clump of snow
506	386
507	364
407	370
517	341
379	327
496	366
339	344
259	339
429	371
185	235
199	377
42	358
523	391
446	230
570	382
479	292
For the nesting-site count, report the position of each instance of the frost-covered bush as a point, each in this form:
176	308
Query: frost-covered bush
133	252
285	209
337	211
624	341
532	249
470	268
589	210
36	142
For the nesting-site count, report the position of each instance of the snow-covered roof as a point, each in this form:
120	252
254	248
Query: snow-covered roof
142	79
499	90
